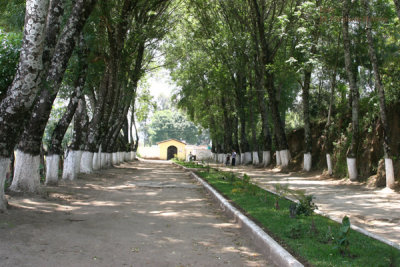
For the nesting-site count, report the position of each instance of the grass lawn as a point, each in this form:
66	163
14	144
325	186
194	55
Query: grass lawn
189	164
315	246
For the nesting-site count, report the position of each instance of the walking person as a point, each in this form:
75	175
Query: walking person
233	158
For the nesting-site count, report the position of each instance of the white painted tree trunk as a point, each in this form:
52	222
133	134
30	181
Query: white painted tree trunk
134	155
285	157
4	165
247	158
242	158
52	165
108	160
237	162
103	161
256	160
278	158
114	159
26	174
329	164
352	169
87	162
70	162
307	161
266	158
96	161
77	161
389	173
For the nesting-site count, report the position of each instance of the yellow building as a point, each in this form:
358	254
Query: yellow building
170	148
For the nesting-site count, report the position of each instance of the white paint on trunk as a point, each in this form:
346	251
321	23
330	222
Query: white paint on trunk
256	160
109	160
52	165
278	158
266	158
96	161
134	155
77	160
307	162
87	162
26	174
352	169
389	173
70	162
247	158
237	162
114	158
4	165
242	159
329	164
285	157
103	160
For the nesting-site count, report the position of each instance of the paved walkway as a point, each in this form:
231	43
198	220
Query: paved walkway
375	210
138	214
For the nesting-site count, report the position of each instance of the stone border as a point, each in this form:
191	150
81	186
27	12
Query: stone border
268	246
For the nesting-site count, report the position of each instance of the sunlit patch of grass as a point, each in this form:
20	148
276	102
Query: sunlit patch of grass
317	246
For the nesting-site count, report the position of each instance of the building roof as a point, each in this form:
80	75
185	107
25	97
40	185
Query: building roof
172	139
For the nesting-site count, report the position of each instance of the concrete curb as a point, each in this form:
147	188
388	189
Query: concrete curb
268	246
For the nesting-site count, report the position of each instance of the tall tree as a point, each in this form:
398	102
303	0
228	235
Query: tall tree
26	177
349	63
17	103
381	93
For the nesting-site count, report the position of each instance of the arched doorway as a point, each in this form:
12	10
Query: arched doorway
171	151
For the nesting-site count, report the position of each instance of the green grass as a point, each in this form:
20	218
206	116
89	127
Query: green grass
189	164
316	248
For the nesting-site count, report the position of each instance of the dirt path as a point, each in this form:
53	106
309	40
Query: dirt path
139	214
375	210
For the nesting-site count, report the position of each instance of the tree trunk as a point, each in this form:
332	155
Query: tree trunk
381	93
353	149
19	98
55	149
72	159
31	139
266	57
307	162
397	5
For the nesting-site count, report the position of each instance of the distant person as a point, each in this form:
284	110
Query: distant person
228	159
190	156
233	158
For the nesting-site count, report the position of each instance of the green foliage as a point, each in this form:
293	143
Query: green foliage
189	164
314	247
10	45
167	124
342	243
305	206
12	15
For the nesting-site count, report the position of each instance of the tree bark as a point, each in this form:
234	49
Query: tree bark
353	149
21	95
381	93
31	139
19	98
267	59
